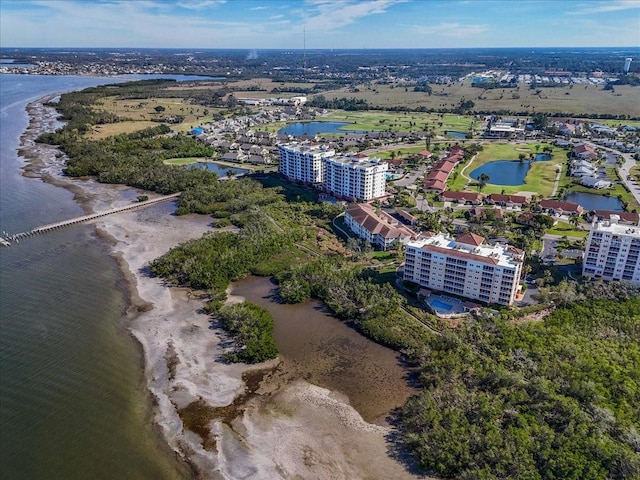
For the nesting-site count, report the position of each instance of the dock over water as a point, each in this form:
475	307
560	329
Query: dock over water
8	239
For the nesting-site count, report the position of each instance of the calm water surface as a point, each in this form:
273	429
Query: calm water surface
323	350
314	128
73	404
591	201
507	172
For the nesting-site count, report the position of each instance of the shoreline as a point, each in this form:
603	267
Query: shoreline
281	427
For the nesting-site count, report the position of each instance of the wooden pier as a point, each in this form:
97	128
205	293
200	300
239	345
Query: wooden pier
7	239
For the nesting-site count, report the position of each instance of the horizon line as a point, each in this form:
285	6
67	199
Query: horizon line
317	48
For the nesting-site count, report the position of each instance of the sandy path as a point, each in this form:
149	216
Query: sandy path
285	429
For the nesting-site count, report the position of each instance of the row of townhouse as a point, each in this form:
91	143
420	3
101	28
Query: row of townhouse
473	198
356	177
613	251
436	179
466	266
376	226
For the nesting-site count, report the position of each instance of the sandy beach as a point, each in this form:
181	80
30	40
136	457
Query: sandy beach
229	421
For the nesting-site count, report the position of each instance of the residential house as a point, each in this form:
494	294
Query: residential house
480	213
624	218
593	182
559	207
507	200
585	151
466	198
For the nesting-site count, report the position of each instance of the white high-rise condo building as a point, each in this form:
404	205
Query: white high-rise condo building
465	266
627	65
303	161
613	251
353	177
359	178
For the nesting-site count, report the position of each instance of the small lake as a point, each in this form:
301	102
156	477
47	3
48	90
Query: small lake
221	170
453	133
591	201
507	172
314	128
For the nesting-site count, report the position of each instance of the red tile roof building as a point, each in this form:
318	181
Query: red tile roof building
507	200
560	207
461	197
376	227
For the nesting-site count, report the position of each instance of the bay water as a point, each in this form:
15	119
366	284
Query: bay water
73	402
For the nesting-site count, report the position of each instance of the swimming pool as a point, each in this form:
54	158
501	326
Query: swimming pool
441	305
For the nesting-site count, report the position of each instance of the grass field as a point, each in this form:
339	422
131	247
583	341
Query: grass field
564	228
137	115
579	100
184	161
399	121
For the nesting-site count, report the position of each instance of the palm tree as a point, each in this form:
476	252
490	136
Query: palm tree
483	179
521	157
574	221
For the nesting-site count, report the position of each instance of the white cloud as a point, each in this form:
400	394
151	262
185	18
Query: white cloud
603	7
199	4
333	14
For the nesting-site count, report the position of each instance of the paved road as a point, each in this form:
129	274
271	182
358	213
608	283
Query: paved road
623	170
632	185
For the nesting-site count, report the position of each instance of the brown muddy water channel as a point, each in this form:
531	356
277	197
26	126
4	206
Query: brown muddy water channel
322	350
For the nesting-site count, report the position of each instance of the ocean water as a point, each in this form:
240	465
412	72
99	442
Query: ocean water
73	404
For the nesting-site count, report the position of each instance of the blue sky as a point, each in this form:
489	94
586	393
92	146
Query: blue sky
259	24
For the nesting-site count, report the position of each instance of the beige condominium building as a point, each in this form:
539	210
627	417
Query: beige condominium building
613	251
465	266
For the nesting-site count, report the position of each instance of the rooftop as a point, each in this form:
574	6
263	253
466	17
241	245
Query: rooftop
462	247
612	226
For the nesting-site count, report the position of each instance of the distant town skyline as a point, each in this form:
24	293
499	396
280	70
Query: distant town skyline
279	24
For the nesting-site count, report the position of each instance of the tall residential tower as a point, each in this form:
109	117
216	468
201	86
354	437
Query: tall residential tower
353	177
613	251
465	266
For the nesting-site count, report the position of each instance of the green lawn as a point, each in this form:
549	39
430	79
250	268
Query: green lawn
396	122
184	161
564	228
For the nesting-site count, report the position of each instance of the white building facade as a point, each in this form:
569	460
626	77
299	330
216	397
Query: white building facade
359	178
352	177
465	266
303	162
613	251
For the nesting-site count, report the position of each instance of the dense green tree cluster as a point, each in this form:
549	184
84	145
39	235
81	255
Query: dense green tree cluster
348	104
135	159
348	290
252	329
211	262
556	399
